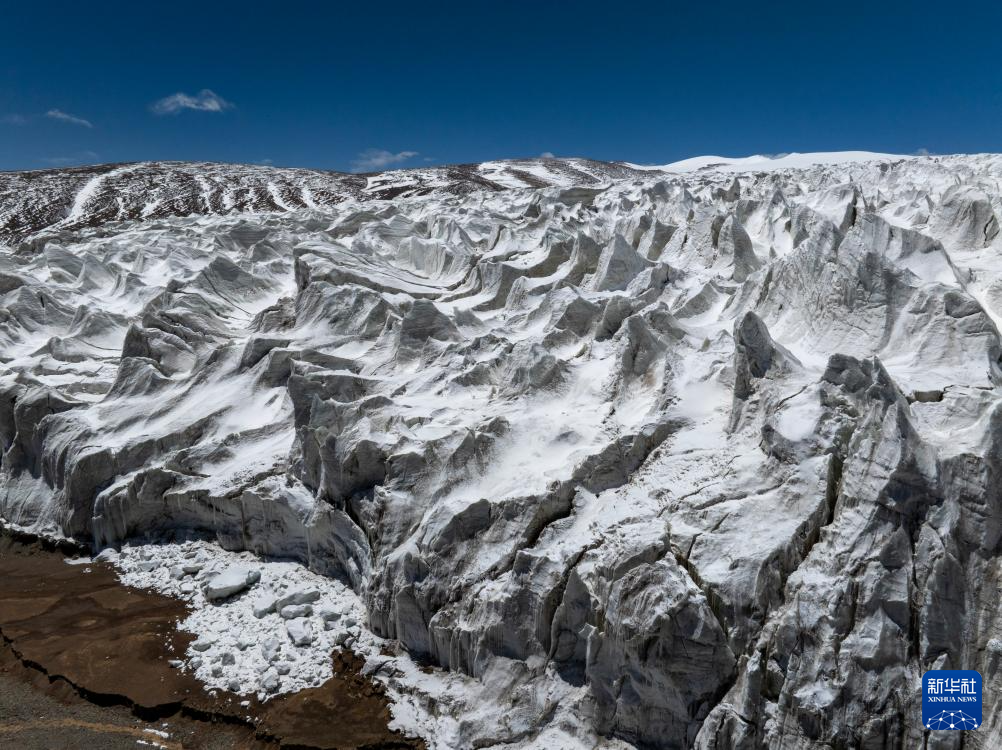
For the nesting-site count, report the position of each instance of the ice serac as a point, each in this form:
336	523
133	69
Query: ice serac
685	457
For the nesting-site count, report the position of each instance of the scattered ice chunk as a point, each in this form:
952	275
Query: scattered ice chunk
270	649
264	605
300	631
108	554
270	681
231	581
293	611
329	614
298	595
204	643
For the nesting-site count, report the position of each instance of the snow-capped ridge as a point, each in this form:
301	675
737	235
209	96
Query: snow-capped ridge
759	163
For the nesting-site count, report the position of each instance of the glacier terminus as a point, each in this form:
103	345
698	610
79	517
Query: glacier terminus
572	453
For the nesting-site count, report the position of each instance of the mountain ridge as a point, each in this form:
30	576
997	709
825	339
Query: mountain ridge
37	201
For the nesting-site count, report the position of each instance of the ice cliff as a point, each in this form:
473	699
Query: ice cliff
708	458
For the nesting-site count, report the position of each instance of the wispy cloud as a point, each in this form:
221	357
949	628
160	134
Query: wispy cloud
204	101
58	114
547	155
84	157
52	114
922	152
376	158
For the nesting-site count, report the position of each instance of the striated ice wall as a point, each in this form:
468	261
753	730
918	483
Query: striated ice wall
721	450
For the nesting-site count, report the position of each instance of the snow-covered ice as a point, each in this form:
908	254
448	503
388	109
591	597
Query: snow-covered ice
704	454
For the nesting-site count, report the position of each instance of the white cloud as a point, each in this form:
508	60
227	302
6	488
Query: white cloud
547	155
922	152
14	119
204	101
84	157
58	114
376	158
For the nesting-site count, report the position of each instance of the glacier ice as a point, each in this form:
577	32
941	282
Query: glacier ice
674	458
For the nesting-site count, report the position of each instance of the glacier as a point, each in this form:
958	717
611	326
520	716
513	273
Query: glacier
699	455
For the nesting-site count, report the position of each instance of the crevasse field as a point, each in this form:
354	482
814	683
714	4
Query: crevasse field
700	455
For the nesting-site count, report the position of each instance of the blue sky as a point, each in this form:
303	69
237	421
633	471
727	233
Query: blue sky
354	85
